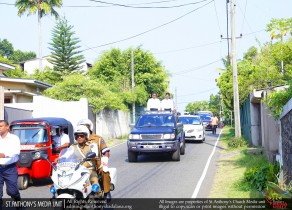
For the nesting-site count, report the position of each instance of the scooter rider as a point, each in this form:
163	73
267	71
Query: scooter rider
82	147
102	156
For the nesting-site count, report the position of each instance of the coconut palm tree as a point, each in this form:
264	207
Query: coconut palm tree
41	7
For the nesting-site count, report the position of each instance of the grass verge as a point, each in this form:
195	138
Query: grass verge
229	179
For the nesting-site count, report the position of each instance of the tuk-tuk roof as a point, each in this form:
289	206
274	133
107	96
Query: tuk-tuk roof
49	120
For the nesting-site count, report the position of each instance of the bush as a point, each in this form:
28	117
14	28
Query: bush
236	142
258	176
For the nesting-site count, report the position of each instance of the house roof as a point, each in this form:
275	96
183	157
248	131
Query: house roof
5	66
32	82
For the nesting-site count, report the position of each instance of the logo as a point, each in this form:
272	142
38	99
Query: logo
275	196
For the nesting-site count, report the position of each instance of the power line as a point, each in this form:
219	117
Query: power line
154	2
217	17
152	29
198	93
188	48
145	7
196	68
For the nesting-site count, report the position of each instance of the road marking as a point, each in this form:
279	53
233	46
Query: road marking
197	189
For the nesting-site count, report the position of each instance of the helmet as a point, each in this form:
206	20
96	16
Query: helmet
82	129
86	122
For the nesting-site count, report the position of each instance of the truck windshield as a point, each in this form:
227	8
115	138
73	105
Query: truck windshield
155	120
30	134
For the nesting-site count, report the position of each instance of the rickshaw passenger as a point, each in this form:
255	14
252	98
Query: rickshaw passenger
61	140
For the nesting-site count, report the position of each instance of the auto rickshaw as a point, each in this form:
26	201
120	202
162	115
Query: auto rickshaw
36	138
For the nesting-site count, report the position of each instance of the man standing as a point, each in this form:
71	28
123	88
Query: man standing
167	104
153	103
214	123
9	154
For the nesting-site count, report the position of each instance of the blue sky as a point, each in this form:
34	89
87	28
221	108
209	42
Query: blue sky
185	38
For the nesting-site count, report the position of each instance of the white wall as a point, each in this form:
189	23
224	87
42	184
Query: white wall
70	110
31	65
112	124
109	123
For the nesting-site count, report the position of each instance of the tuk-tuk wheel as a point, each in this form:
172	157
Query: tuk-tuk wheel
23	181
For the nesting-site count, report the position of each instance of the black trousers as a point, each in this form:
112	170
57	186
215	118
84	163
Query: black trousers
9	175
214	129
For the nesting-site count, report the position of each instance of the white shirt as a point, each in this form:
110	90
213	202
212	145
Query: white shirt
153	103
60	140
10	146
167	104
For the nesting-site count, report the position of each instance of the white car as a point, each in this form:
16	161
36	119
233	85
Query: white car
193	127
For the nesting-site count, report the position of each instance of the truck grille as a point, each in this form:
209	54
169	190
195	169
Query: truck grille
151	136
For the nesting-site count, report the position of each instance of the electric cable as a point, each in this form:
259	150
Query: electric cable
147	31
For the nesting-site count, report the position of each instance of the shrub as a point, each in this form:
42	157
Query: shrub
258	176
236	142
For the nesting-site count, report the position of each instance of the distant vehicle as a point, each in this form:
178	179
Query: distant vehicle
186	113
204	113
156	132
193	127
206	122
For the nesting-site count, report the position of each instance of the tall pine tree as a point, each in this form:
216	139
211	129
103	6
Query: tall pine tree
64	49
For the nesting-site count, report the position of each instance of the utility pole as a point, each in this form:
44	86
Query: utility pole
133	85
234	68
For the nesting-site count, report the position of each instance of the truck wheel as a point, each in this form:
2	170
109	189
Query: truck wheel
183	148
132	156
176	155
22	182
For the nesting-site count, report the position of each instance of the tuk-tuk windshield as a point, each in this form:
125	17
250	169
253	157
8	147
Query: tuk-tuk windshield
68	156
30	134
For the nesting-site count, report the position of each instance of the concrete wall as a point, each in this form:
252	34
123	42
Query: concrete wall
285	143
71	110
109	123
255	124
112	124
270	133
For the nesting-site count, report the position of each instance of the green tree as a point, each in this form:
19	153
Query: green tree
47	75
76	86
258	67
6	48
64	49
41	7
16	73
19	56
114	67
278	28
194	107
214	104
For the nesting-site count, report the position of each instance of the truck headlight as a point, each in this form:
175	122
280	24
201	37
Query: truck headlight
169	136
134	136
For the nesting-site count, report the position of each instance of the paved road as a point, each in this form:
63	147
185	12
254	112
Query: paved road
157	176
